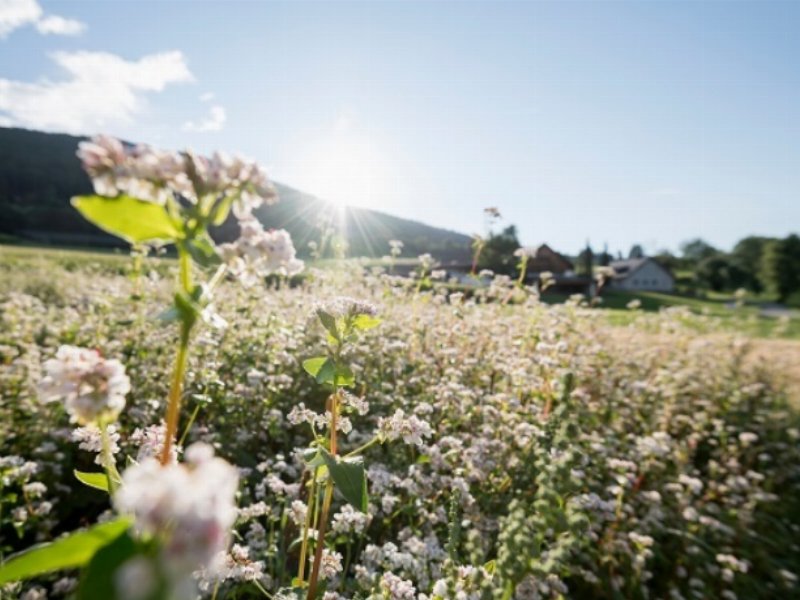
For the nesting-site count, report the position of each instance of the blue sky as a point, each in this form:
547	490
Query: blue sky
618	122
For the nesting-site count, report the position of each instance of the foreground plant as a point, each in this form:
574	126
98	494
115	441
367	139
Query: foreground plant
182	514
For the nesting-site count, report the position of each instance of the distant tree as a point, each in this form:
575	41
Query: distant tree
498	252
780	266
585	264
747	255
697	249
604	258
720	273
636	251
668	260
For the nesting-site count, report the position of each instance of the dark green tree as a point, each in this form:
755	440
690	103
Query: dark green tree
747	255
585	261
498	253
780	267
636	251
696	250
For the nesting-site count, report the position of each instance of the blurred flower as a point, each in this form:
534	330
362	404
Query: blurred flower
91	387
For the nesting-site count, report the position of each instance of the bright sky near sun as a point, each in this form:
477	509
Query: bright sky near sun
617	122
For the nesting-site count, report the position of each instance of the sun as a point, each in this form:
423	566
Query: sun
344	168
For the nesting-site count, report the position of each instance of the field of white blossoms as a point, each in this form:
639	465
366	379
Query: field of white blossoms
210	427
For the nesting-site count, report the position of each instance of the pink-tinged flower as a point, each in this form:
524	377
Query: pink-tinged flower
91	386
189	507
259	253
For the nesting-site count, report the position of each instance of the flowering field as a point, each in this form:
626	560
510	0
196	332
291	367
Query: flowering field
353	435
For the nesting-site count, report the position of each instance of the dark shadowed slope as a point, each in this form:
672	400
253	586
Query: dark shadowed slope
39	173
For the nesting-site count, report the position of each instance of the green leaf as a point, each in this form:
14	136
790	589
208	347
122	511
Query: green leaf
221	209
203	251
350	479
344	376
313	366
128	218
72	551
98	481
320	368
329	322
97	581
364	322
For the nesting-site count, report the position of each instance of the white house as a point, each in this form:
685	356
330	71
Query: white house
644	274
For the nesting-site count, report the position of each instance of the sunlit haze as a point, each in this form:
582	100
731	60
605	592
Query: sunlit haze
613	122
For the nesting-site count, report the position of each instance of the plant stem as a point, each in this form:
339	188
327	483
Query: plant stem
326	504
189	425
174	406
304	547
363	447
108	459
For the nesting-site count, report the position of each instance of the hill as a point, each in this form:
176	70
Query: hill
39	173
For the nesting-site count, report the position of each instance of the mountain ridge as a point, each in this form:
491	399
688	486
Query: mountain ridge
39	173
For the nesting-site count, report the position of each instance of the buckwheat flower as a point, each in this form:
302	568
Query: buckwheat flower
190	507
102	157
349	520
395	247
259	253
425	261
345	306
747	438
330	565
411	429
150	441
438	274
89	438
298	512
396	588
91	387
35	489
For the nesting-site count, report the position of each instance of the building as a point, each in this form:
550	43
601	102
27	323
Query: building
641	274
565	281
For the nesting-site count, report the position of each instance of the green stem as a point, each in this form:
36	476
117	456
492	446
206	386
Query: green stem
261	588
112	475
189	425
304	547
174	406
326	504
363	447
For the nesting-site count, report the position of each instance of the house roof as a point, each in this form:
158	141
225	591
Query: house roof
625	268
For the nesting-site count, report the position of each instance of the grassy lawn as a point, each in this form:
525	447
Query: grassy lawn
745	319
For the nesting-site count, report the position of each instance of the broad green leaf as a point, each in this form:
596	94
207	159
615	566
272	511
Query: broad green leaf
329	323
312	366
98	481
97	581
344	376
350	479
128	218
72	551
321	368
364	322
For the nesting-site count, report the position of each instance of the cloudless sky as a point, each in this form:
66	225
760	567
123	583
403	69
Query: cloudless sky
617	122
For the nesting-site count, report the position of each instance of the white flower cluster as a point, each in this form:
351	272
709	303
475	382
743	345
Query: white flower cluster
350	520
150	441
259	253
189	506
396	588
90	439
525	252
345	306
155	175
330	565
91	386
411	428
